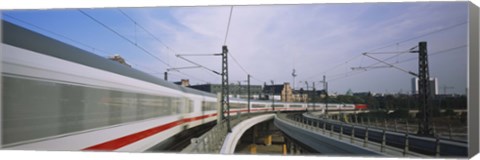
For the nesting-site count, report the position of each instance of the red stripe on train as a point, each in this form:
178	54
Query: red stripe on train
132	138
129	139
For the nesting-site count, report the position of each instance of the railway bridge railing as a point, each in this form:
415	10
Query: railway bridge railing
377	138
212	141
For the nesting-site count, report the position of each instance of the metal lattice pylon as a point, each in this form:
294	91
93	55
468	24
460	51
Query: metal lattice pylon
424	88
225	92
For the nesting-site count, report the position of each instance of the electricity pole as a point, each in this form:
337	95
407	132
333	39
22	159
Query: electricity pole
248	90
314	95
308	94
325	89
423	76
225	92
424	88
273	94
239	89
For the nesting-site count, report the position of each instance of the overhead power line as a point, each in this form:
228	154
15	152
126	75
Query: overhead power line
150	33
391	65
173	51
228	26
334	67
225	42
373	66
199	65
123	37
395	43
392	52
255	78
384	61
347	74
423	35
58	34
436	52
241	67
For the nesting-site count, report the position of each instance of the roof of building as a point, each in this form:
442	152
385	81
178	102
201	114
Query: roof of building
302	91
277	89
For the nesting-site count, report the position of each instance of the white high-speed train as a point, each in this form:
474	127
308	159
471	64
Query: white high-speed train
58	97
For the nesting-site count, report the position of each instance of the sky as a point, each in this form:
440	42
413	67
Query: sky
269	41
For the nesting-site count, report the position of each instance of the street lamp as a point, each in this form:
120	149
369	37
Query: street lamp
308	94
239	89
314	95
325	89
273	94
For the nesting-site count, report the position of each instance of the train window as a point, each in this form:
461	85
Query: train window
258	105
209	106
349	106
296	106
238	105
332	106
278	105
188	107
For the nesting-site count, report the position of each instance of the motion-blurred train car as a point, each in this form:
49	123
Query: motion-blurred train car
58	97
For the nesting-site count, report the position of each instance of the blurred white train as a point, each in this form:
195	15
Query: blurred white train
58	97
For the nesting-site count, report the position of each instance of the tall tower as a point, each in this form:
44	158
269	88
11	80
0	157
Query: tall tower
294	75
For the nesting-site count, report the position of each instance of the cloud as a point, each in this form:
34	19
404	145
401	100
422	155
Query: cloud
269	41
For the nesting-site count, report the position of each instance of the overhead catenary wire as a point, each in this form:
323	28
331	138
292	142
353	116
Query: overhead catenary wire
335	67
396	43
58	34
123	37
436	53
103	52
95	49
255	78
392	44
172	50
392	52
153	72
351	73
378	62
388	64
420	36
150	33
197	64
225	43
410	59
228	25
236	62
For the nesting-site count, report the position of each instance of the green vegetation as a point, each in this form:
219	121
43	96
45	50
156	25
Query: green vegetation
399	101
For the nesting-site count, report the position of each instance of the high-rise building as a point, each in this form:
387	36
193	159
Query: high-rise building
433	86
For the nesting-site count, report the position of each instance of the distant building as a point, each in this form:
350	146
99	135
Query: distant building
183	82
119	59
280	92
363	94
308	95
349	92
433	86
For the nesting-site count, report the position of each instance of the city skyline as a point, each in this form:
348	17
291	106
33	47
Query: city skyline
269	41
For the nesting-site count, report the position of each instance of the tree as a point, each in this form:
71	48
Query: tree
399	113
